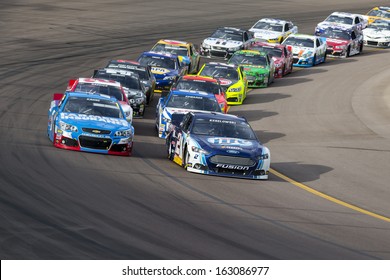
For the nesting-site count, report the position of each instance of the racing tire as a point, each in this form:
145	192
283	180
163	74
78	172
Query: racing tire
314	60
291	68
185	158
324	57
269	80
284	70
348	52
361	48
170	151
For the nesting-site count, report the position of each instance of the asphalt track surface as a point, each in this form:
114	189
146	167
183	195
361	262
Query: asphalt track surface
328	129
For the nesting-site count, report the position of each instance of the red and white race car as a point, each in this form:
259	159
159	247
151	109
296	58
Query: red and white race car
102	86
281	55
343	42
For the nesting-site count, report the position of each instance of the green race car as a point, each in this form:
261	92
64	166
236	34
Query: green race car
258	67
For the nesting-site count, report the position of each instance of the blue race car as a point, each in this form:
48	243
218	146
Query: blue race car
218	144
183	101
166	68
87	122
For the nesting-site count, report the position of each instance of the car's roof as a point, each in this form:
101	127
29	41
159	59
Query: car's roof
172	42
99	81
95	95
221	64
199	78
343	14
266	44
119	72
299	35
231	29
160	54
125	61
274	20
253	52
185	92
219	116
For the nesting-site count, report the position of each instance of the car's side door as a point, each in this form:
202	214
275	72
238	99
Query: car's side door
181	137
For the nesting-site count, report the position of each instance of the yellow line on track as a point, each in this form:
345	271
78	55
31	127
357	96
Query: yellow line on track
328	197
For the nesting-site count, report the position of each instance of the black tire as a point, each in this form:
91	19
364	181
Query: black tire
269	80
361	48
170	151
283	70
349	51
185	158
325	57
314	60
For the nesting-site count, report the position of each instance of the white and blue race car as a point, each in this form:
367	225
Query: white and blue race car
343	20
218	144
308	50
182	101
89	122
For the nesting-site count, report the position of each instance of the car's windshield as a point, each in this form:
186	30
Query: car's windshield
299	42
223	128
336	34
99	88
217	71
380	25
275	52
198	85
379	13
173	49
339	19
158	61
93	106
140	70
227	35
269	26
248	59
193	102
126	81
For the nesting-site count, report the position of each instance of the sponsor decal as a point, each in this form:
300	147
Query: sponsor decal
232	151
231	166
84	117
229	141
224	82
159	70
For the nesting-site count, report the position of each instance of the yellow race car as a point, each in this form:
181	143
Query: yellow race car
378	13
231	77
187	53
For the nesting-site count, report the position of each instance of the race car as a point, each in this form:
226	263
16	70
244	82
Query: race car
259	67
377	34
131	84
103	86
224	42
204	84
344	20
273	30
89	122
188	55
215	144
182	101
380	12
343	42
231	77
166	68
144	72
282	57
308	50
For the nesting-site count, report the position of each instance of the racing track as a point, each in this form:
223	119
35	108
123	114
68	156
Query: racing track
327	128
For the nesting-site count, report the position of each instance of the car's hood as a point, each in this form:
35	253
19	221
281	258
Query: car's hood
265	34
336	42
375	33
229	146
131	93
301	50
222	42
82	120
254	68
162	72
